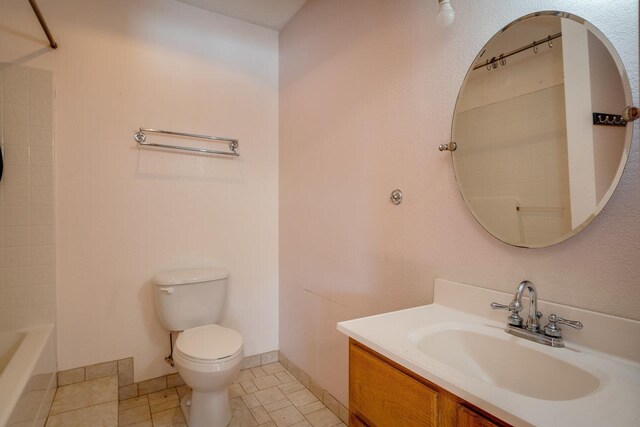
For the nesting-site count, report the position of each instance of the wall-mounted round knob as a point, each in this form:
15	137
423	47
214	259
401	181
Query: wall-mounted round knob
631	113
396	197
452	146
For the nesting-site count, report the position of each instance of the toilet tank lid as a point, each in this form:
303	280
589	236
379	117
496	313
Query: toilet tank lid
185	277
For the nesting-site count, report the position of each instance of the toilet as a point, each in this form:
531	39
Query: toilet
206	355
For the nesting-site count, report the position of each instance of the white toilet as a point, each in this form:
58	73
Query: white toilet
206	355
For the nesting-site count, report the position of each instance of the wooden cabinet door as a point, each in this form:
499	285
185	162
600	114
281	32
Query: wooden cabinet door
383	396
468	418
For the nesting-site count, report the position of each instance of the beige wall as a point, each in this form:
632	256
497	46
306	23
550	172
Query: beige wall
367	90
124	214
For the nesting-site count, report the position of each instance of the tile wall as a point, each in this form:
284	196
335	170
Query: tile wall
27	236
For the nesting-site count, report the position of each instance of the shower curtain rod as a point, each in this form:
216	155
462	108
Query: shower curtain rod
504	56
43	23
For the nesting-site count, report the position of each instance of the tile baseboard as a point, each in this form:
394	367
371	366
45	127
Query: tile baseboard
128	389
323	395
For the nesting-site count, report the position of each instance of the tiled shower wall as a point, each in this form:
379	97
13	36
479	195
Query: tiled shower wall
27	243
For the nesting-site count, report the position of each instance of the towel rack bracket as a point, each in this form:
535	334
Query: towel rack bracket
140	137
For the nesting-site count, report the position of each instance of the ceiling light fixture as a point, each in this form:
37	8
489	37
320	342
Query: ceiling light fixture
446	14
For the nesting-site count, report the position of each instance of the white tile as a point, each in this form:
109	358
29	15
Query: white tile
42	275
40	295
269	357
16	85
170	418
40	314
16	155
42	156
40	136
323	418
250	400
16	114
41	79
102	415
40	176
272	368
41	98
17	176
17	276
16	235
41	235
301	397
17	256
286	416
266	381
15	298
41	117
15	134
41	196
16	195
41	215
269	395
42	255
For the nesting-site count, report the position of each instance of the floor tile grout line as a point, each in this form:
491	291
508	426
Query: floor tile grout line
77	409
53	400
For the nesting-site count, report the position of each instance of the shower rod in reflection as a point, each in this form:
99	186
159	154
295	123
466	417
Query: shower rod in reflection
141	138
502	58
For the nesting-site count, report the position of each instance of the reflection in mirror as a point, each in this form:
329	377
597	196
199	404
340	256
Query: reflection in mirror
530	163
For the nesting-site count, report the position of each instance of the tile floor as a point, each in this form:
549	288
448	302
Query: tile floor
263	396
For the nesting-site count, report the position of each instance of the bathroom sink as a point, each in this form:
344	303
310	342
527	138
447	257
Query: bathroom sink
459	344
488	354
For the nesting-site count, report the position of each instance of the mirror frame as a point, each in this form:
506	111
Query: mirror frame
629	129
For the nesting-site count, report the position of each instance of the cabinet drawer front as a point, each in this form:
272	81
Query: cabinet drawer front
384	396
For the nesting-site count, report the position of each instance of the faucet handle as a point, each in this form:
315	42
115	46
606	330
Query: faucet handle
573	323
552	328
514	308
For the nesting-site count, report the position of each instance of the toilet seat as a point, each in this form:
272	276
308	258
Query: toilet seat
209	344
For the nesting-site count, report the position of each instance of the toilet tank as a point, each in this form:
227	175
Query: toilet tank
188	298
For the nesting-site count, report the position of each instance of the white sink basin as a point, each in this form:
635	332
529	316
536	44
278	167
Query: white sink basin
506	362
460	344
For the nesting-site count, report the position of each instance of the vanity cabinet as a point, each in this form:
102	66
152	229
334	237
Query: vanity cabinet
383	393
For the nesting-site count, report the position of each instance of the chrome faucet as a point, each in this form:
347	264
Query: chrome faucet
550	335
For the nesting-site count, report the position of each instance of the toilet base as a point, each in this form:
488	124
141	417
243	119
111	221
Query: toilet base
210	409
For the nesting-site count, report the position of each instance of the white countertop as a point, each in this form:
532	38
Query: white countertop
616	401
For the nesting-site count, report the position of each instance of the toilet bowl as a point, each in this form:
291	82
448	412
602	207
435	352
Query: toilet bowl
208	359
207	355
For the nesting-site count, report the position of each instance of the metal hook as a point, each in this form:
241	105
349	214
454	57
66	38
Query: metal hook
503	61
600	119
488	65
611	119
535	48
549	41
494	64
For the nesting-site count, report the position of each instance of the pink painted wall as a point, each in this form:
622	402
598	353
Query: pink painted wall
125	214
367	91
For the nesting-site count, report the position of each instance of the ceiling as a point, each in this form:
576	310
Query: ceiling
272	14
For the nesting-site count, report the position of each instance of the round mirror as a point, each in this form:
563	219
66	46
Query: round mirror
540	139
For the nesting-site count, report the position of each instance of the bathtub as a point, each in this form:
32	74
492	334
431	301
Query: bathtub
27	375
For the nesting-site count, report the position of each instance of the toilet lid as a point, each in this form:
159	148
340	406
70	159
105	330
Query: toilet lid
209	342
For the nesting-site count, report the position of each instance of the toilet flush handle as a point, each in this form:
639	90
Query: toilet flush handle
168	290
